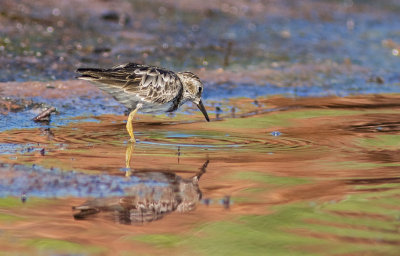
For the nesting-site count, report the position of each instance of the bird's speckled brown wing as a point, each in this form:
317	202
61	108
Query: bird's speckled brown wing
135	82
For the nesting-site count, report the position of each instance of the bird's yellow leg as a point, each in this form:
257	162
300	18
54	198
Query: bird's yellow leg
129	126
128	153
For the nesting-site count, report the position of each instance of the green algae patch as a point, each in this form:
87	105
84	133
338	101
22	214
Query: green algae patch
357	165
288	232
386	141
282	119
265	178
253	235
14	202
370	205
10	202
61	246
10	218
160	240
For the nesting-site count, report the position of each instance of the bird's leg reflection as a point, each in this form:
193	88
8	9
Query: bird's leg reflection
130	146
179	153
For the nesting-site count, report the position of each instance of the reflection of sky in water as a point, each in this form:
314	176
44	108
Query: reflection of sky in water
178	135
353	87
68	109
41	182
205	146
10	148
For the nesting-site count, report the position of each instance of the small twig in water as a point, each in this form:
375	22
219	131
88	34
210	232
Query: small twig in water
45	115
228	53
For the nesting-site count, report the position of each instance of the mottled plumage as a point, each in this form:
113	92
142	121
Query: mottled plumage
157	89
144	203
146	88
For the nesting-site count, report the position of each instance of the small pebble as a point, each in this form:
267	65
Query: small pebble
226	202
275	133
23	198
207	201
125	169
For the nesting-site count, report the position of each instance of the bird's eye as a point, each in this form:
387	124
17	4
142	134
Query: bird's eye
200	89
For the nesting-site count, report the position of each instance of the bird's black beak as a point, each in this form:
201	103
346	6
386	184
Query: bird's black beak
203	110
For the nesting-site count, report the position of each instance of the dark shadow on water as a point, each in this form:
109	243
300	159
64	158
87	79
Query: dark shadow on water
146	202
376	126
373	181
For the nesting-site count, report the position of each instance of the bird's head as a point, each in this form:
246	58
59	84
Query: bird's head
192	90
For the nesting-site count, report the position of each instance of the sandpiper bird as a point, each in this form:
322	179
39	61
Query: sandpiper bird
146	88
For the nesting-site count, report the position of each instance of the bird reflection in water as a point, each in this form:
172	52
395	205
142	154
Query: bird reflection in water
155	195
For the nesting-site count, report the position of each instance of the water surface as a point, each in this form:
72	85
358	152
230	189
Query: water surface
300	157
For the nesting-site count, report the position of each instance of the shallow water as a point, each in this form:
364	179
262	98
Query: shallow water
320	175
300	157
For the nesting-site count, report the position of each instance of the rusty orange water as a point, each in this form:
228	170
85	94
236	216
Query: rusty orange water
315	173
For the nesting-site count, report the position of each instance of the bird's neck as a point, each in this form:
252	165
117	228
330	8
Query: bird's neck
186	95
